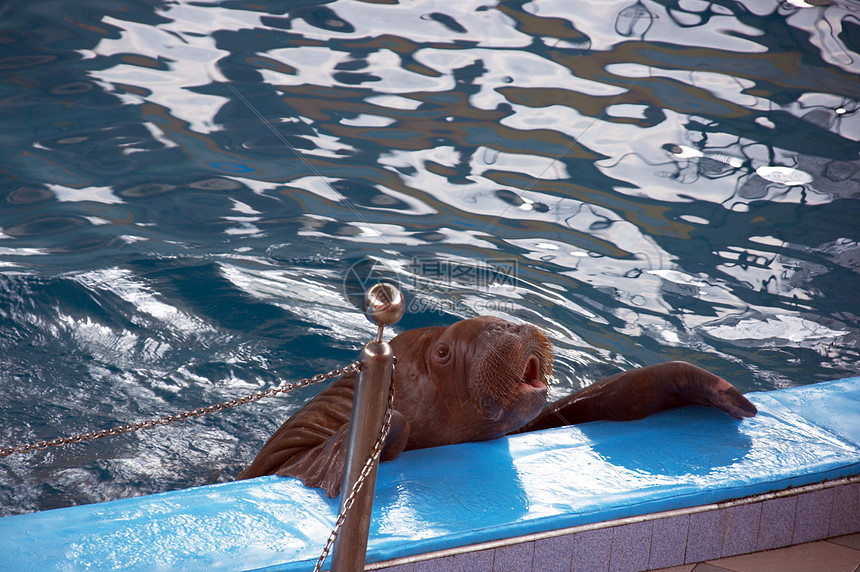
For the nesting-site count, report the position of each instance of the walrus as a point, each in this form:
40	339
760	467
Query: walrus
478	379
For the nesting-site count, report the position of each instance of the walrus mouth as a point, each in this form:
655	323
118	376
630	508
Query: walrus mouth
533	373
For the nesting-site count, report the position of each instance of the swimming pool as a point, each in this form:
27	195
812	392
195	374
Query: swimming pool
195	191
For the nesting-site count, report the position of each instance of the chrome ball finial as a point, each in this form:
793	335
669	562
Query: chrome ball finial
384	305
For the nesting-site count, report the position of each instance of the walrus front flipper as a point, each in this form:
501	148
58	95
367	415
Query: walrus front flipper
309	429
311	444
638	393
322	466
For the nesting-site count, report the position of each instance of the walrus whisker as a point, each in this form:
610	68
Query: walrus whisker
504	364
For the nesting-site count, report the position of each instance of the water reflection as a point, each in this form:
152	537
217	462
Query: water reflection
188	184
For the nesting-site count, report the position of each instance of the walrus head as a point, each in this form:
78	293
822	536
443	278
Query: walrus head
477	379
510	361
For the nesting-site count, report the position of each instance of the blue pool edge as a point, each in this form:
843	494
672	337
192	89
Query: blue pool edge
471	494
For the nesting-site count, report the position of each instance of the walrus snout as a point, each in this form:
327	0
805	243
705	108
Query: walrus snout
511	368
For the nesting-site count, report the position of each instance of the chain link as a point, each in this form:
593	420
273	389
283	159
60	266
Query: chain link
359	482
182	416
235	402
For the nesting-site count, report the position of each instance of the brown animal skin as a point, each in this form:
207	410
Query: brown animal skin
642	392
475	380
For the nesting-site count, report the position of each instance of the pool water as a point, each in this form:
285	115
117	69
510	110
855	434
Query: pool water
194	195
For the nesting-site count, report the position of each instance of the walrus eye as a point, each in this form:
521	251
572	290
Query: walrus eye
442	354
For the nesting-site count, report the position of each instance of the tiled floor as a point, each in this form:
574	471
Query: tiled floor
840	554
807	529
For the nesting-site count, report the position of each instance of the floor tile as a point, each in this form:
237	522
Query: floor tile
776	526
800	558
553	554
669	541
631	545
741	529
851	541
480	561
845	518
590	551
705	537
514	558
445	564
399	568
812	519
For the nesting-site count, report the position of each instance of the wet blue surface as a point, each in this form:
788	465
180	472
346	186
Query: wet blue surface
193	193
460	495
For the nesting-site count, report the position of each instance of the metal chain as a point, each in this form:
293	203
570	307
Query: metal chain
359	482
184	415
235	402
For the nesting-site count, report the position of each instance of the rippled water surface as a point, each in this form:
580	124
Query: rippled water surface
194	192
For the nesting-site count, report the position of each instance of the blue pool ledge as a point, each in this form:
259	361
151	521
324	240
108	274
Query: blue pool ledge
440	501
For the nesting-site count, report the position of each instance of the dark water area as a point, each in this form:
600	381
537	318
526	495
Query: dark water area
194	193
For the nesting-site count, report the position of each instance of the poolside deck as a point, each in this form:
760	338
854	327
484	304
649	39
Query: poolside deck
803	529
840	554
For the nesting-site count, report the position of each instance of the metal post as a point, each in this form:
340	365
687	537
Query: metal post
368	412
